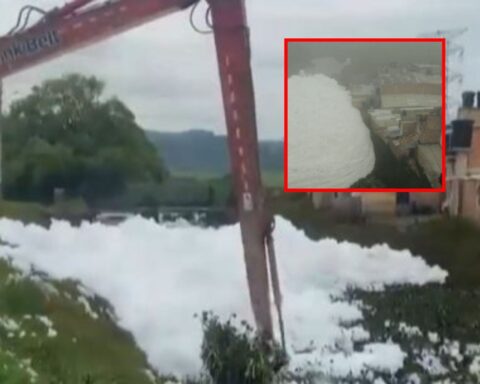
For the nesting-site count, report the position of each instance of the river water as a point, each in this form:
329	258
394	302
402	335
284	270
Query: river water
158	275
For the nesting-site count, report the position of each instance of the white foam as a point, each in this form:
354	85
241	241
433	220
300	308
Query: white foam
157	277
329	146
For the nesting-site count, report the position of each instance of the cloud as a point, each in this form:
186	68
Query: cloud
168	74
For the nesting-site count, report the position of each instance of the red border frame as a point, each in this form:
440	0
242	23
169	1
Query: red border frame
362	40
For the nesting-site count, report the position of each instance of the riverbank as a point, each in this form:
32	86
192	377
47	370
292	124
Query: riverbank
413	317
436	325
452	243
73	210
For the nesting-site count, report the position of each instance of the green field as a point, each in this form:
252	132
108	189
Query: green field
37	213
27	212
197	175
273	179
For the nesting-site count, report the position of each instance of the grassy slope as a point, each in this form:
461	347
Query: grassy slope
84	349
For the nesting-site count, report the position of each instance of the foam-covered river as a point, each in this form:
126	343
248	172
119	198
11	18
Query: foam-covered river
157	276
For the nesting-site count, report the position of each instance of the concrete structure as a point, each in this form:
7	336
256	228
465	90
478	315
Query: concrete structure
429	157
410	86
322	199
378	204
430	200
394	132
463	171
404	130
381	119
356	204
410	74
430	127
412	113
362	95
343	205
410	95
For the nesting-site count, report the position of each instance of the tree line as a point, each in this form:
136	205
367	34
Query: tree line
65	135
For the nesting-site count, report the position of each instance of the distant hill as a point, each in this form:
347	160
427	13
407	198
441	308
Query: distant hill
204	152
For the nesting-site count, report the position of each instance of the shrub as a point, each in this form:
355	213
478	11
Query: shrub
238	355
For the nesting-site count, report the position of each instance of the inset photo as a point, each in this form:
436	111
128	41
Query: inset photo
365	114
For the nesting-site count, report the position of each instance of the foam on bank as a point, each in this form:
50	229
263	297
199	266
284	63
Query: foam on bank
329	146
158	276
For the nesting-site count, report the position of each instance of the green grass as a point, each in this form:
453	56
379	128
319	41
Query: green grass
198	175
27	212
269	178
41	214
451	314
69	208
83	349
12	369
273	179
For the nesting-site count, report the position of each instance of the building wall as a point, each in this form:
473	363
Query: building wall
412	88
379	203
430	158
474	153
411	95
410	100
343	205
427	199
322	199
412	113
465	178
470	207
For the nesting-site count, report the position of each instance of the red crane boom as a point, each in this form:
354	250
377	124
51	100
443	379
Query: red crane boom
75	25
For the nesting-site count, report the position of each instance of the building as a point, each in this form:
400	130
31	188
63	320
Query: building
363	95
410	86
393	96
376	205
426	201
429	156
343	204
463	161
382	119
430	127
397	73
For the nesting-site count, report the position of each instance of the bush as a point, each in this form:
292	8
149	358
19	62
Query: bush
237	355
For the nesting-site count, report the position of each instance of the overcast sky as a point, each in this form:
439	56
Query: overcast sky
167	74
